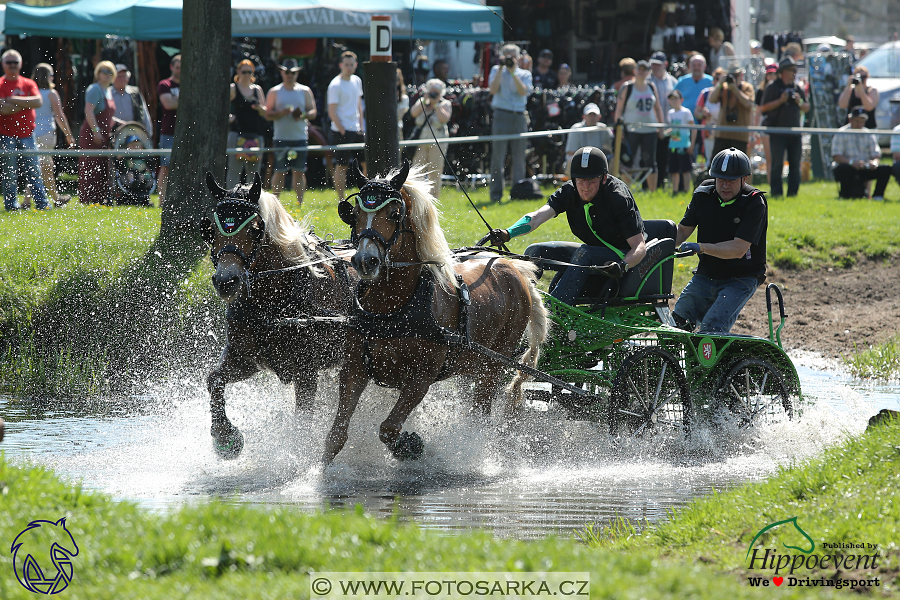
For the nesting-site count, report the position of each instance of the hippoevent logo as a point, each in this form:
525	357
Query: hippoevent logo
42	557
801	567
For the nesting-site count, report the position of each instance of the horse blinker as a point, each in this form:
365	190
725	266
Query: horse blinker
346	213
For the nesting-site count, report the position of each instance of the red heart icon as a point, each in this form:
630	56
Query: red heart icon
778	580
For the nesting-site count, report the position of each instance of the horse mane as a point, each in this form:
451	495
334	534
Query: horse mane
430	241
283	231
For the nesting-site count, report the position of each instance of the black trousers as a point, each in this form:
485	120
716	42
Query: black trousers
853	181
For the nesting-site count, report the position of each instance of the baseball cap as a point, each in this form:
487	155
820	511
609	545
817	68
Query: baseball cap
643	63
773	68
858	111
824	48
736	69
591	108
565	66
658	58
546	52
121	67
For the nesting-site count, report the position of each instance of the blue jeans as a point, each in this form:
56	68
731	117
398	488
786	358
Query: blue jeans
10	172
572	280
166	142
793	145
714	304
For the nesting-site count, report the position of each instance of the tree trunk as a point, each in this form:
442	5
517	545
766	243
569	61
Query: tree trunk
201	130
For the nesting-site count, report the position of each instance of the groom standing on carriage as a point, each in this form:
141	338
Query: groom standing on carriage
602	213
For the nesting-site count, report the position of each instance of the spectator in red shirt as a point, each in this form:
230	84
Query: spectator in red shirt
168	98
19	96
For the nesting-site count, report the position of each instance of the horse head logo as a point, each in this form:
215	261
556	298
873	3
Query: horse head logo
41	544
792	521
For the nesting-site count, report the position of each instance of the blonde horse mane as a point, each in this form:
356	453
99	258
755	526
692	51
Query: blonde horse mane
285	232
430	241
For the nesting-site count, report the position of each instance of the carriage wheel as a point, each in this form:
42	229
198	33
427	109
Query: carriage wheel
650	392
754	390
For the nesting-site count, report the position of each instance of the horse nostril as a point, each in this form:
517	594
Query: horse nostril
372	261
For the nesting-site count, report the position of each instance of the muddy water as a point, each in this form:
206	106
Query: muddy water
550	476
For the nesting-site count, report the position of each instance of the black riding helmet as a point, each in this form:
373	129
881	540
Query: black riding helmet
589	162
729	164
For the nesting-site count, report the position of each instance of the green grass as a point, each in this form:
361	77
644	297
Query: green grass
850	494
222	550
65	260
878	362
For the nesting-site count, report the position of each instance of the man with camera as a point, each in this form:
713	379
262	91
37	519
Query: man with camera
510	86
782	103
737	99
857	159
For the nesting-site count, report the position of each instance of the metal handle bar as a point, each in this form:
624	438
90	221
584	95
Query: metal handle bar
777	289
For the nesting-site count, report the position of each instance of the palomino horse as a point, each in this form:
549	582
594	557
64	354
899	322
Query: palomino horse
254	243
404	313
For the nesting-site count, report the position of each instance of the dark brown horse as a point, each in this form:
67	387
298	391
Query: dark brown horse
251	235
406	308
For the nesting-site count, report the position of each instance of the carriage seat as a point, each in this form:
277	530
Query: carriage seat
650	280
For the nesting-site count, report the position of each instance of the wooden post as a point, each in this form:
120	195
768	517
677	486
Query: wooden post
617	148
380	88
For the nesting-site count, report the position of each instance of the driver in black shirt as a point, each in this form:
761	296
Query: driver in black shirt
731	218
601	213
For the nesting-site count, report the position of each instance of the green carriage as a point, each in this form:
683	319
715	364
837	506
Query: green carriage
638	371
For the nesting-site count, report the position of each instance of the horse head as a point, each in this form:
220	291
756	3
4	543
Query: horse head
378	221
234	233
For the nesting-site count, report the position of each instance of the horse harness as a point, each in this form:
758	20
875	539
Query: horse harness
415	319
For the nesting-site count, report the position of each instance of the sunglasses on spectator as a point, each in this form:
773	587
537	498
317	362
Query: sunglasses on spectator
11	62
246	72
106	72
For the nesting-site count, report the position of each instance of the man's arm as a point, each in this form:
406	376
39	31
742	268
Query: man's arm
527	224
24	102
638	250
332	114
169	101
682	233
312	112
747	100
735	248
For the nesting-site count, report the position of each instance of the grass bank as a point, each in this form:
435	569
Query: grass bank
59	270
219	550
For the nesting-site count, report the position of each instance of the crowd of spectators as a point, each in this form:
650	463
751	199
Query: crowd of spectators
712	91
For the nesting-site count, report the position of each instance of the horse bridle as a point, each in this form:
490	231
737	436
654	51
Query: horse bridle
372	197
248	212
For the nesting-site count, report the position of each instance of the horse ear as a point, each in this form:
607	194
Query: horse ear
255	189
399	179
207	233
217	192
354	165
243	175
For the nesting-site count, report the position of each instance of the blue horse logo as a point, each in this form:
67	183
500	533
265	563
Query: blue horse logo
41	544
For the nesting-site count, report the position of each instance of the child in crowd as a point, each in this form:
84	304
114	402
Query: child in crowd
680	142
135	176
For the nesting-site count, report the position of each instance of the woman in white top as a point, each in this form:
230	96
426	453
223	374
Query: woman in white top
437	110
402	102
46	119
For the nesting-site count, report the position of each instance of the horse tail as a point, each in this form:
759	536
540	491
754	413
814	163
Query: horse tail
535	332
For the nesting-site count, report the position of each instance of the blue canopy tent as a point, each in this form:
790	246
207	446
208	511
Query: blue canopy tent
161	19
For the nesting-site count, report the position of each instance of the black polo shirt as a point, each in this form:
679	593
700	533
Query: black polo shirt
614	216
786	115
746	218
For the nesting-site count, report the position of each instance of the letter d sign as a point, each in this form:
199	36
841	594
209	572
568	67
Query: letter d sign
380	39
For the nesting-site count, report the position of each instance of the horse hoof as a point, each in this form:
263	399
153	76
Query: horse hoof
229	446
409	446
